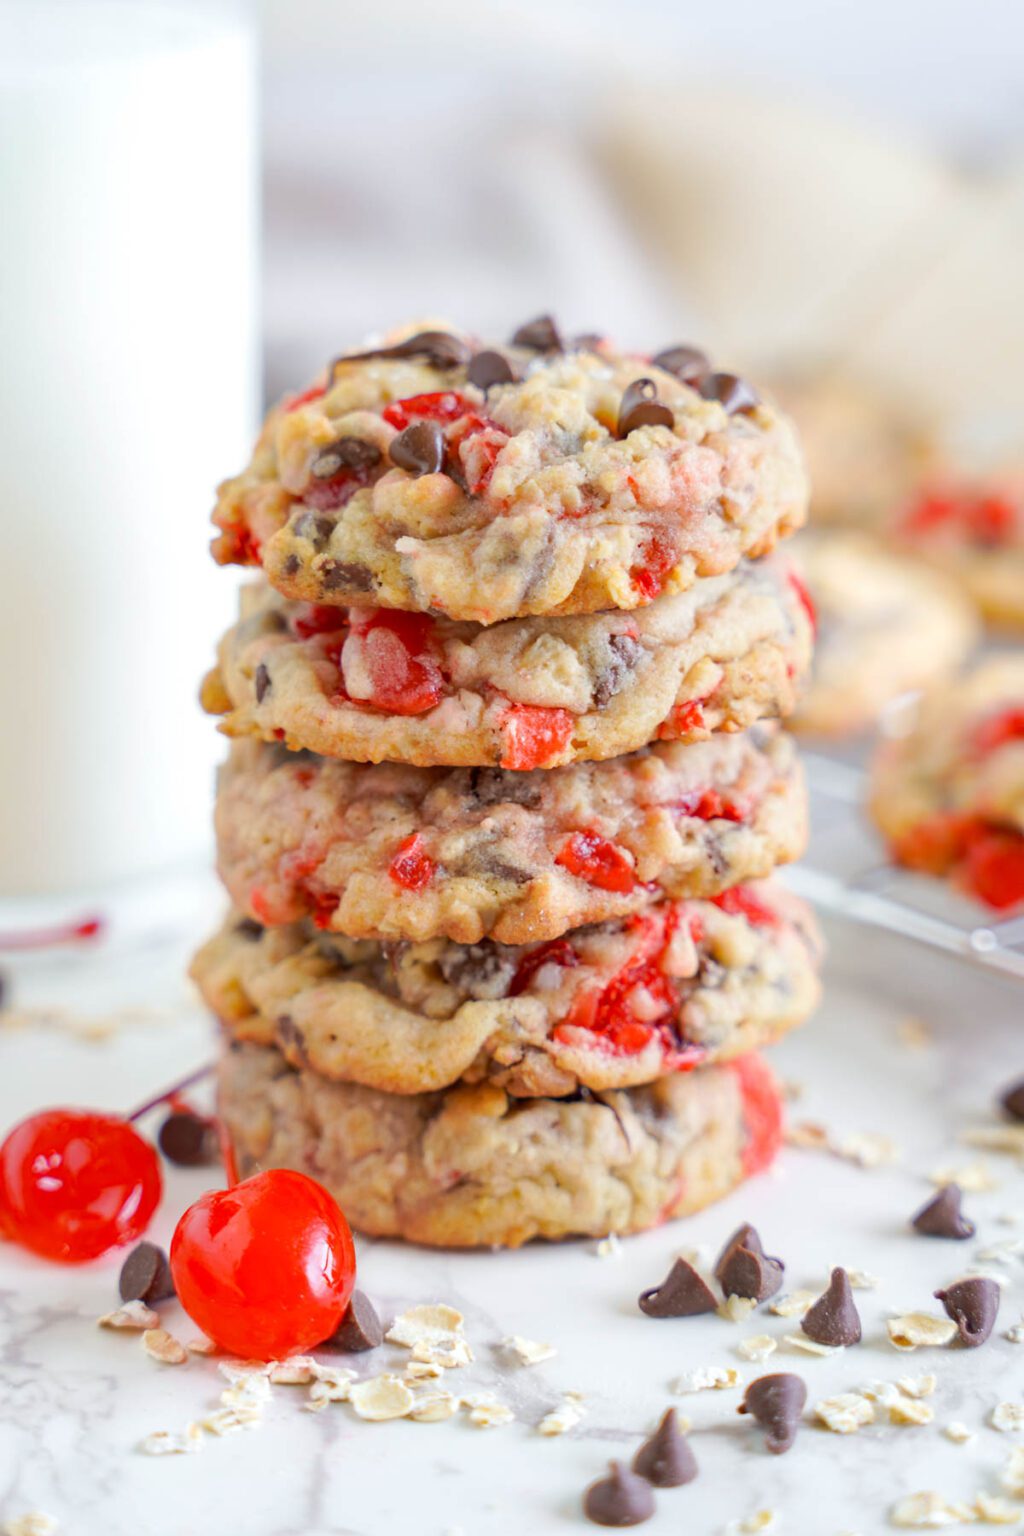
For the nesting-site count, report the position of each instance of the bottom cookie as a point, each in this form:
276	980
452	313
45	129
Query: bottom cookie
474	1167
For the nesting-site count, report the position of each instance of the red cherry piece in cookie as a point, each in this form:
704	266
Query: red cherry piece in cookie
411	867
762	1113
266	1268
930	510
683	720
74	1184
998	729
935	843
805	599
556	952
991	519
386	661
649	575
741	901
444	406
597	861
319	619
533	734
314	392
994	867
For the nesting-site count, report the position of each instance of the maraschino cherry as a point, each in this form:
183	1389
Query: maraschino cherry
75	1183
265	1268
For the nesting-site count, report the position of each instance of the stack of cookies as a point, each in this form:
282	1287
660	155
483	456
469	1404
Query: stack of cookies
506	784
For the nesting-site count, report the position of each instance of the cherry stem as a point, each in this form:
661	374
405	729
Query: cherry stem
169	1093
227	1152
60	933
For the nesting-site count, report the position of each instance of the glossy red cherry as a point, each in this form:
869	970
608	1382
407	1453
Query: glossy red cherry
74	1184
267	1267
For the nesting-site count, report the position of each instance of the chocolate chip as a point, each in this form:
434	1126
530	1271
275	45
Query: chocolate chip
310	525
290	565
289	1036
973	1305
941	1217
359	1330
540	335
744	1269
666	1459
834	1319
732	392
625	654
189	1140
587	341
682	1293
438	348
481	971
419	449
489	368
619	1499
641	407
347	574
262	683
688	364
146	1275
345	453
776	1402
1012	1100
249	928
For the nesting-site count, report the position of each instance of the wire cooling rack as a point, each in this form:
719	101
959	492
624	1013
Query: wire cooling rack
846	871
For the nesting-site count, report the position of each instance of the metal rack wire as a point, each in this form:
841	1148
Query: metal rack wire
846	872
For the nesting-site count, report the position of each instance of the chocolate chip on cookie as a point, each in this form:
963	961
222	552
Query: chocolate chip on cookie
682	1293
419	449
344	453
539	335
438	348
732	393
941	1217
688	364
261	682
641	407
489	368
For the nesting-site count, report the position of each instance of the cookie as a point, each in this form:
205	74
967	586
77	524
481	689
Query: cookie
608	1006
886	625
370	685
393	852
543	479
865	450
473	1167
949	796
975	532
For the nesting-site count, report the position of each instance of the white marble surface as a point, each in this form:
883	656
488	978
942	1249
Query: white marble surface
77	1400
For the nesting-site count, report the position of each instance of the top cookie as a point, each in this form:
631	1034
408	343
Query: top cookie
550	477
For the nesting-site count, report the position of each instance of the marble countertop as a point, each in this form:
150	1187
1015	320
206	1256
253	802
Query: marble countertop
77	1400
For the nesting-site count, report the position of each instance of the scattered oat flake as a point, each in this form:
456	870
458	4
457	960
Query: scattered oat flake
609	1247
809	1135
810	1346
761	1520
381	1397
423	1370
561	1419
1015	1333
793	1303
247	1393
1012	1478
486	1412
909	1410
915	1034
163	1346
706	1378
298	1371
997	1138
165	1443
929	1511
332	1385
845	1413
433	1407
200	1346
869	1150
449	1354
134	1314
973	1178
1008	1251
958	1433
242	1370
992	1510
758	1347
35	1523
1007	1417
861	1279
433	1322
528	1351
914	1330
736	1309
227	1421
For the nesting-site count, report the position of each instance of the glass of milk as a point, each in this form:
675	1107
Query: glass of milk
128	387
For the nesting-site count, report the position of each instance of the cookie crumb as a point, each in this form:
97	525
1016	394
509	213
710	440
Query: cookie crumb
608	1247
1008	1418
958	1433
706	1378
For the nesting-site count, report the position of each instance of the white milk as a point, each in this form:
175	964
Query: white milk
128	374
